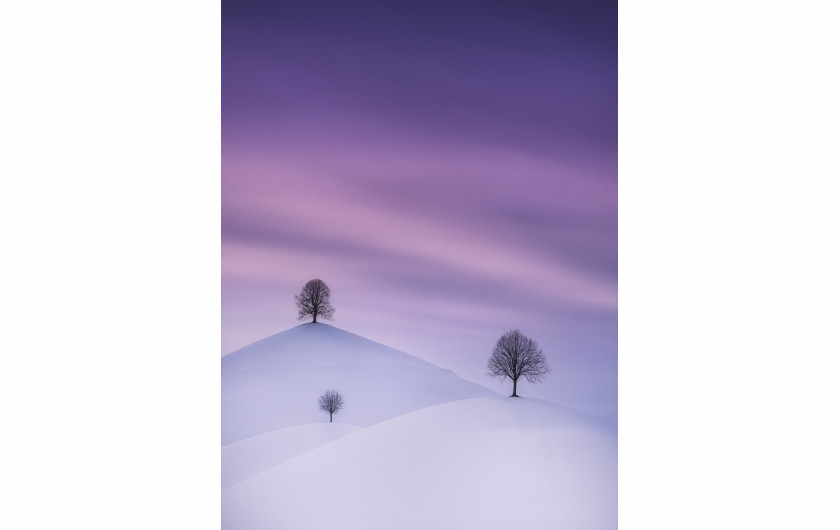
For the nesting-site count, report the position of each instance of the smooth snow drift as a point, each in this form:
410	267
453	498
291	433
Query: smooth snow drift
478	463
416	447
275	383
246	458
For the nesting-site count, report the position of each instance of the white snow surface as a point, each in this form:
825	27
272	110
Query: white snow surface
275	383
485	463
416	447
246	458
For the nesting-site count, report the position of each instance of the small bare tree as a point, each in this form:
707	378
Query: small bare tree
314	301
331	401
516	355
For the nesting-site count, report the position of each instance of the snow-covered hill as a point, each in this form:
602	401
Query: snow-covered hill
275	383
416	447
485	463
246	458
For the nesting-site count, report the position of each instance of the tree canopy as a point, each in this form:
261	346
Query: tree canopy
331	401
516	355
314	301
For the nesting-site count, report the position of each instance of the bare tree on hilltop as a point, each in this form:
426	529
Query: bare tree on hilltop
331	401
314	301
516	355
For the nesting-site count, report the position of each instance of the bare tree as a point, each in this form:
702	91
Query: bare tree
516	355
314	300
331	401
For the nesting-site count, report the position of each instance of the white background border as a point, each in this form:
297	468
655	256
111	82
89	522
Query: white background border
109	209
728	265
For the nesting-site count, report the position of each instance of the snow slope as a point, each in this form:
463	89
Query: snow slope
246	458
275	383
490	462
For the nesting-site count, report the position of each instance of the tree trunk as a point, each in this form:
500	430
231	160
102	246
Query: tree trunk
514	389
330	417
314	317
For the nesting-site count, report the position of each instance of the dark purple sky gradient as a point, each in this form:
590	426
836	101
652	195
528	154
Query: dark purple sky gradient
449	169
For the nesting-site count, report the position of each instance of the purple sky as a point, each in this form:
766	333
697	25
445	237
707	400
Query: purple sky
449	169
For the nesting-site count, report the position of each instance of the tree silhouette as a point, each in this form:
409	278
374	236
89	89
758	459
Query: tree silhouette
331	401
314	301
516	355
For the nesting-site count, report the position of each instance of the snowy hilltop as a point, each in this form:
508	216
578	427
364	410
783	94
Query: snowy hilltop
414	447
275	383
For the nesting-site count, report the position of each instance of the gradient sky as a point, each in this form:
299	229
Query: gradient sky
448	169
